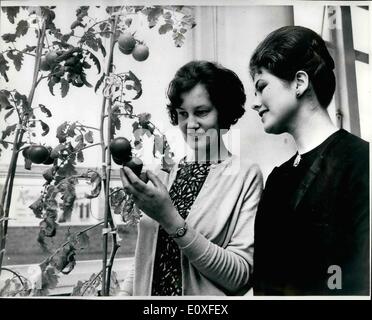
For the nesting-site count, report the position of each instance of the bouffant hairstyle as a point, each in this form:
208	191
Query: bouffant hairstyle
226	91
293	48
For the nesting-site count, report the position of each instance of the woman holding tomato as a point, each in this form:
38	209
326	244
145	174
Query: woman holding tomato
312	224
196	234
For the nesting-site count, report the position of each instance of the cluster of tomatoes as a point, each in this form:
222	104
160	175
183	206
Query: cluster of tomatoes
121	151
129	45
73	66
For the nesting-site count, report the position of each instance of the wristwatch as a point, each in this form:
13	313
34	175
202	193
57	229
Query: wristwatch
180	232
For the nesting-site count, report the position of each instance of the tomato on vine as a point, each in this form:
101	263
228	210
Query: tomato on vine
140	52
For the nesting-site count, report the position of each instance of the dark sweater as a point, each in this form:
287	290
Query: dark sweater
305	235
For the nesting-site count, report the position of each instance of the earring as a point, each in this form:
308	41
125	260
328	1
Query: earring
298	94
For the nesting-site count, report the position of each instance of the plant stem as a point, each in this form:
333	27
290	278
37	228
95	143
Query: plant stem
91	282
6	197
15	274
106	168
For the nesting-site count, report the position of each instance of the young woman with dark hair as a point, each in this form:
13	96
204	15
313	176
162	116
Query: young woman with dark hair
312	224
196	234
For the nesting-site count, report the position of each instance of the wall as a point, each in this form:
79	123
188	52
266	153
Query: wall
229	34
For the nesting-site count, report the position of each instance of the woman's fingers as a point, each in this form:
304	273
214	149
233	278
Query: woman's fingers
134	181
126	184
154	179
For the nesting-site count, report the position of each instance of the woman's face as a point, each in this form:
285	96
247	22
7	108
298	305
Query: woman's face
198	119
275	101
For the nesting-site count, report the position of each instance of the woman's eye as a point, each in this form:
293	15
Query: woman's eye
182	114
202	113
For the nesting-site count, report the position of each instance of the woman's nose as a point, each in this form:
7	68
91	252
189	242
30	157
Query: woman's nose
256	103
192	123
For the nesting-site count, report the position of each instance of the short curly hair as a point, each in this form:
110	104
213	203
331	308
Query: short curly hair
292	48
225	89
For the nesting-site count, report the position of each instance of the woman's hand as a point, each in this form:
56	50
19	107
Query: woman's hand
153	199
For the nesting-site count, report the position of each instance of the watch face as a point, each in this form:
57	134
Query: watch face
181	232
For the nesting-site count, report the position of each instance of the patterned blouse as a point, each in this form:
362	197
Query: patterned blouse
167	279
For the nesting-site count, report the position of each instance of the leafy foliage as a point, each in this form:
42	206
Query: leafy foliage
123	204
64	63
91	286
15	286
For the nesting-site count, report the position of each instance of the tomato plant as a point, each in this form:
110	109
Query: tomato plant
62	60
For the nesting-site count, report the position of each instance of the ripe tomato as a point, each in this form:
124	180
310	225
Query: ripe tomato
25	152
44	65
135	164
126	41
140	52
49	160
51	57
125	51
38	154
121	150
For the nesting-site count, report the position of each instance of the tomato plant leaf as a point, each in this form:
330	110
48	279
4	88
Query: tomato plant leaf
167	162
17	59
22	28
84	79
89	136
44	127
189	20
37	207
49	278
8	114
99	82
29	48
4	67
4	101
178	39
4	144
158	145
165	28
51	84
116	199
8	131
64	87
68	169
71	129
9	37
100	45
80	156
21	100
61	132
115	121
83	241
48	226
45	110
67	188
11	12
96	61
153	15
136	84
128	107
79	138
95	180
48	174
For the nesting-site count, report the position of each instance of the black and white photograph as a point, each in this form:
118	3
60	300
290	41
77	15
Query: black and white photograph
185	150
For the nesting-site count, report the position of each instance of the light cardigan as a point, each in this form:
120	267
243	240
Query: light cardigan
219	259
